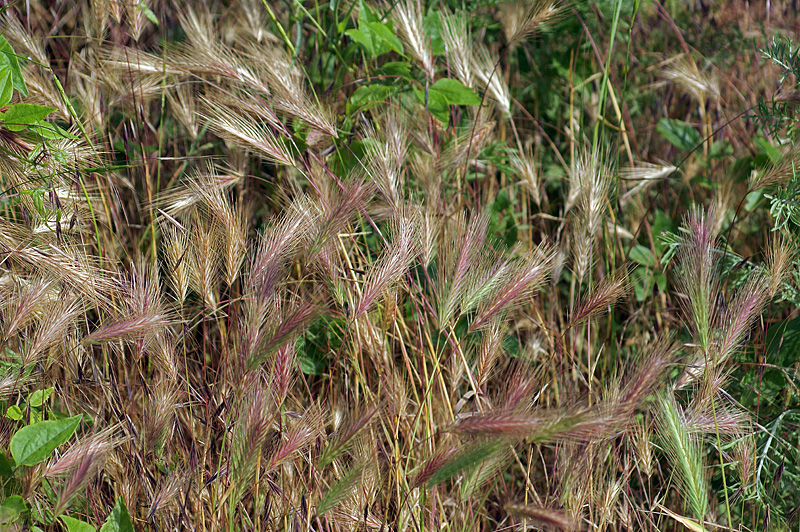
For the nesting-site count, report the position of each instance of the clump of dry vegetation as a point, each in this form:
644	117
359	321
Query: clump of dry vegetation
329	267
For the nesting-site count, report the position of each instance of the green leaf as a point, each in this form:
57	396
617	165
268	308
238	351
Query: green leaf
456	92
21	115
643	255
680	134
51	131
119	520
8	60
720	150
6	470
783	343
363	39
643	280
432	28
437	104
75	525
34	443
14	412
365	14
396	68
11	509
368	96
6	87
311	363
382	33
38	397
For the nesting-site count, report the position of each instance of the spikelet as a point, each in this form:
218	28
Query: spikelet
517	282
288	92
390	268
407	16
457	41
684	451
521	19
182	102
247	441
204	260
780	255
700	85
699	280
458	255
602	297
484	66
246	132
525	166
778	172
387	153
23	41
177	259
545	517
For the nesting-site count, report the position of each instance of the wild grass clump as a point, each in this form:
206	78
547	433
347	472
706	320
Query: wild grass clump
370	266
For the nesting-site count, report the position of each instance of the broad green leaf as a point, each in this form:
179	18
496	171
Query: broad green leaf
456	92
368	96
5	467
772	152
680	134
8	60
643	255
14	412
437	104
311	364
362	39
384	34
783	343
432	28
75	525
51	131
34	443
643	280
21	115
38	397
11	509
119	520
365	14
396	68
6	87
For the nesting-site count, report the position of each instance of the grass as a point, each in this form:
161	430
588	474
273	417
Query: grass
398	266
